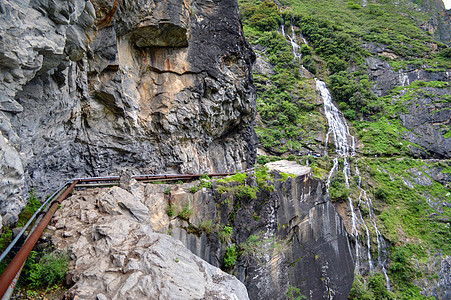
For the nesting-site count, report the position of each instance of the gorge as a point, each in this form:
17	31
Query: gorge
335	114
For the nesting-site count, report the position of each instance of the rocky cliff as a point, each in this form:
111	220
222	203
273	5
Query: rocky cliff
278	234
90	87
116	254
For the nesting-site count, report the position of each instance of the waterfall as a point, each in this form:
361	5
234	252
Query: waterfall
345	145
296	49
339	129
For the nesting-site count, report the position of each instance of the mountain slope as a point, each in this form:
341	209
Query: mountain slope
387	65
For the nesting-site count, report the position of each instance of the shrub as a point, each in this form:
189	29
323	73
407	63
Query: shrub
225	234
381	193
377	285
294	293
230	256
446	52
170	210
194	189
353	5
238	177
246	191
206	226
359	290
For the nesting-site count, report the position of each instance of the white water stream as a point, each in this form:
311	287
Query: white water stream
345	147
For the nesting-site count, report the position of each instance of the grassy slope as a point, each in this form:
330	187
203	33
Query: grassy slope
412	219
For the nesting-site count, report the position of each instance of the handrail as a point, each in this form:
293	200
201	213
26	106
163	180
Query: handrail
19	235
16	264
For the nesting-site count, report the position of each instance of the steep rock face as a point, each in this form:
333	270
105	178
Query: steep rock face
439	23
427	112
91	87
385	78
117	256
427	118
289	238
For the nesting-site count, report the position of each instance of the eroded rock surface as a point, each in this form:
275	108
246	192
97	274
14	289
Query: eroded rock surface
117	255
88	88
427	117
385	78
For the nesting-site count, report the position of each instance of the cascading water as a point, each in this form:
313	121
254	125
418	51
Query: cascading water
345	145
339	129
295	46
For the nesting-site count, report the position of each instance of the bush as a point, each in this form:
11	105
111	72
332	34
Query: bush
377	285
294	293
353	5
230	256
225	234
206	226
337	188
238	177
381	193
446	52
359	290
170	210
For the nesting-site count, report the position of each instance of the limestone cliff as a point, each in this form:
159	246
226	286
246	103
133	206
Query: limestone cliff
90	87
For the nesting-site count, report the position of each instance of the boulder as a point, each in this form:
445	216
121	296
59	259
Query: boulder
117	256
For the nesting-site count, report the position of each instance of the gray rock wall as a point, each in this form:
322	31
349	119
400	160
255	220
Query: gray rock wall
426	115
91	87
291	237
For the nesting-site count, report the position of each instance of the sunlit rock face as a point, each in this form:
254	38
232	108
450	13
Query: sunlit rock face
91	87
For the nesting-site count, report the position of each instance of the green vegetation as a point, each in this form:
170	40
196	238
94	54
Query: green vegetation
257	246
186	212
337	190
31	207
404	211
236	185
206	226
225	234
45	270
294	293
230	256
205	182
170	210
285	176
290	118
238	177
341	35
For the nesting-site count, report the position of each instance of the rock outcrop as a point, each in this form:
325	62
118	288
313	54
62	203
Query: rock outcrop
427	112
90	87
117	256
288	238
428	119
385	78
